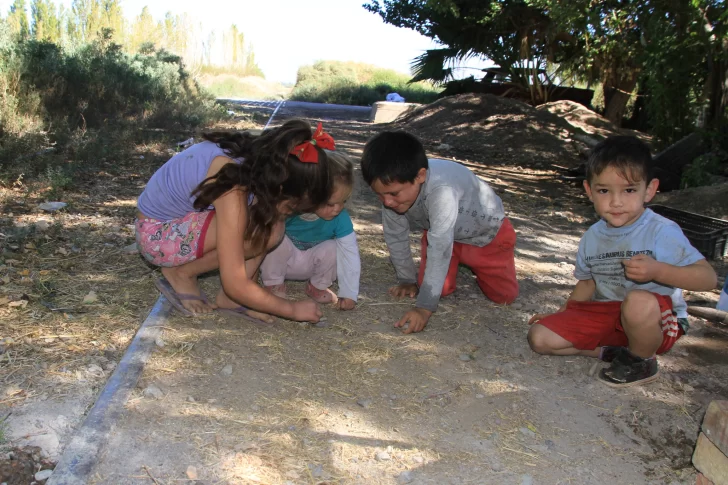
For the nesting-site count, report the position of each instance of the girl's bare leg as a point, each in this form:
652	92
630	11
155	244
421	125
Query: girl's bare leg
252	266
184	278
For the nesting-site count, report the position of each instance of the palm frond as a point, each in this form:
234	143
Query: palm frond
433	65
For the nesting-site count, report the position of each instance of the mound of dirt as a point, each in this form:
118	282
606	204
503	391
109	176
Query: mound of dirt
501	130
582	118
711	201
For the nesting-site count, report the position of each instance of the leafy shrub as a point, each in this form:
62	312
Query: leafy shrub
64	97
58	180
352	83
97	82
703	169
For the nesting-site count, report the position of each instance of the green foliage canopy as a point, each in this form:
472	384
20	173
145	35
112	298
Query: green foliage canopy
673	52
504	31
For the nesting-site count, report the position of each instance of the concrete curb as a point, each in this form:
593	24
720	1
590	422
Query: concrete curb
82	452
387	111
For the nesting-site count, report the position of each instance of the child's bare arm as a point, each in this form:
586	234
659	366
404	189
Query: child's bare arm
232	215
698	276
583	291
396	235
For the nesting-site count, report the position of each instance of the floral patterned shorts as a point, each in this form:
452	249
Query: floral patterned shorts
173	243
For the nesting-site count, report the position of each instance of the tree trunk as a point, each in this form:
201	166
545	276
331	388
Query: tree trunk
711	314
670	162
639	120
616	96
718	89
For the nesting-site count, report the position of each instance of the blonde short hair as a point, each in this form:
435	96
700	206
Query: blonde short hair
341	168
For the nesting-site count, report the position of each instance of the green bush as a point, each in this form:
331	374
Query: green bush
98	82
58	180
703	169
351	83
65	98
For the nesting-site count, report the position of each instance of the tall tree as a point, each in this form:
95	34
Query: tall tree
605	44
85	22
46	25
251	67
671	48
63	25
618	43
170	32
208	48
112	17
18	19
144	31
508	32
234	48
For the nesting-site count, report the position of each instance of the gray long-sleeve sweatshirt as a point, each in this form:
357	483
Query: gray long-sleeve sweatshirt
453	205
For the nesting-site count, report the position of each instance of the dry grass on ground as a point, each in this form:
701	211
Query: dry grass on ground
71	296
352	400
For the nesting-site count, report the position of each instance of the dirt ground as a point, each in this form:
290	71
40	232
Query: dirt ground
350	400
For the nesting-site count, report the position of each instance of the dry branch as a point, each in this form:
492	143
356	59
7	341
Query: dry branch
711	314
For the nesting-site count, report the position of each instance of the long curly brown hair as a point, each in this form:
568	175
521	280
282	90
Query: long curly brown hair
270	172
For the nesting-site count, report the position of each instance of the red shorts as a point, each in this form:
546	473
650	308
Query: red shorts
494	265
591	324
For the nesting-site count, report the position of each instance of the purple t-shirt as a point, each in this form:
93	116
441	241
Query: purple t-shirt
167	195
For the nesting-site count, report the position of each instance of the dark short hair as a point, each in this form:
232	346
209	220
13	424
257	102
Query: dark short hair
393	156
629	155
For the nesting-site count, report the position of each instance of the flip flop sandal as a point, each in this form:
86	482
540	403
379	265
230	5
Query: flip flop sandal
241	311
176	299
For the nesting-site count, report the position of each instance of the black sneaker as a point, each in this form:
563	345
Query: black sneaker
629	370
608	353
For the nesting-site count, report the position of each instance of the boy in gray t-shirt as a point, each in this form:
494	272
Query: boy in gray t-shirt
462	218
627	305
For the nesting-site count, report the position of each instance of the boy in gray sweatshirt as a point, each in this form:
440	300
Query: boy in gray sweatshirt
461	216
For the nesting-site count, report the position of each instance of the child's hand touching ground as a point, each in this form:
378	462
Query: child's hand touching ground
417	319
346	304
641	268
307	311
406	289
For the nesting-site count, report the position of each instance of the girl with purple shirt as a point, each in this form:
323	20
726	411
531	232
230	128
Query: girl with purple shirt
222	204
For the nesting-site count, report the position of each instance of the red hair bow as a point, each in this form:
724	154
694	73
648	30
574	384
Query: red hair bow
306	151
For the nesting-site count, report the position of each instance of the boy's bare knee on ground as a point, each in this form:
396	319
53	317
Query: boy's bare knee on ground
542	340
641	321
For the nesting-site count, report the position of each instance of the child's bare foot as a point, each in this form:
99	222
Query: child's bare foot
224	302
278	290
321	296
186	285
